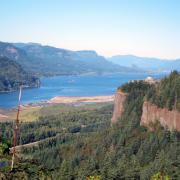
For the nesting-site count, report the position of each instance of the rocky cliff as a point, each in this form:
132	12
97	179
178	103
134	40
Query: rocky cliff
150	114
119	100
168	119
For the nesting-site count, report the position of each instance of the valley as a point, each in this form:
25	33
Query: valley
71	142
71	86
89	90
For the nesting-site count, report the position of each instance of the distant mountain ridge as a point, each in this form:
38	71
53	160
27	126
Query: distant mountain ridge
148	64
44	60
50	61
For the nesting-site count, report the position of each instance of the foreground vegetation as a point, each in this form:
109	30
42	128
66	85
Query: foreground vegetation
80	143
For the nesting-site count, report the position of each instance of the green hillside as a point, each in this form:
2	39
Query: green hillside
167	92
80	143
12	76
50	61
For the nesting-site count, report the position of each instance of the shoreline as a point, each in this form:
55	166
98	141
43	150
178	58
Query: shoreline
80	99
69	100
66	100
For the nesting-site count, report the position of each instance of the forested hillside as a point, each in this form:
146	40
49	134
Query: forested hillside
167	92
82	142
12	76
50	61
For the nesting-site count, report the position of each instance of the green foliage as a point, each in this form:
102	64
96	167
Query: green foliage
4	146
167	92
12	76
78	144
160	176
66	119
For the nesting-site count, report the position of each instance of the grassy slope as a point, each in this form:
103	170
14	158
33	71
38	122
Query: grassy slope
32	113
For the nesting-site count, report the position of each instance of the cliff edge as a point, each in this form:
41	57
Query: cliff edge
168	119
119	100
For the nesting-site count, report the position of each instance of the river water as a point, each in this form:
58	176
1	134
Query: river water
71	86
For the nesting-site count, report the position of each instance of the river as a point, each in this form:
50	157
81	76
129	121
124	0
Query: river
71	86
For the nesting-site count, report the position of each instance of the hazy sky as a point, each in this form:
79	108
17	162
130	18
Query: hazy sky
140	27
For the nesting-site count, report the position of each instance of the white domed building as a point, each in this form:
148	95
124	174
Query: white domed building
149	80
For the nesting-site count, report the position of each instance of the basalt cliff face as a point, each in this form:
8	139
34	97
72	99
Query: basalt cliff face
168	119
150	114
119	100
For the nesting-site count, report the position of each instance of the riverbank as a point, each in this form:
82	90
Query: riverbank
66	100
83	99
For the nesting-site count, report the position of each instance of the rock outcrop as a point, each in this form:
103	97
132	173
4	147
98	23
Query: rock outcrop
119	100
168	119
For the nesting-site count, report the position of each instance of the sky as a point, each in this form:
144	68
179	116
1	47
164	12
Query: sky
149	28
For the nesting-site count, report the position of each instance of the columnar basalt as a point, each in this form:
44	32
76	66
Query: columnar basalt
119	100
168	119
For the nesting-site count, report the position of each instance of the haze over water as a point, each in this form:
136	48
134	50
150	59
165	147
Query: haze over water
71	86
